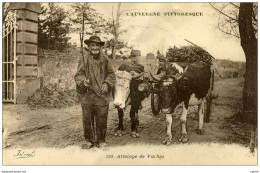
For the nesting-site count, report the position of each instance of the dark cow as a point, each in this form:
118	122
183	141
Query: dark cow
188	86
130	89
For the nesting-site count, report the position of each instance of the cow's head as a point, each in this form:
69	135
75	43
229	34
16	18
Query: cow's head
122	87
169	83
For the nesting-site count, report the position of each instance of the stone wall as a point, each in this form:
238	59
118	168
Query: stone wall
58	69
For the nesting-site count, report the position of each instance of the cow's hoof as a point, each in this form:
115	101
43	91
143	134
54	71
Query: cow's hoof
200	131
167	141
135	134
183	139
119	133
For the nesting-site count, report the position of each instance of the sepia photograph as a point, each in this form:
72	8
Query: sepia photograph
149	83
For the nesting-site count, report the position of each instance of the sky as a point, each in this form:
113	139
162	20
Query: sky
152	33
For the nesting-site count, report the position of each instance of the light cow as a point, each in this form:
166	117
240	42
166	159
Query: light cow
129	90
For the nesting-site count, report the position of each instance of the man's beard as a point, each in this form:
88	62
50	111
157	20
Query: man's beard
95	52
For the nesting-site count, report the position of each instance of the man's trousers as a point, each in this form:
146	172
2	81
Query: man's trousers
94	122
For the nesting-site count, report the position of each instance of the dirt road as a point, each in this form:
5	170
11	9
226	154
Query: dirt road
60	128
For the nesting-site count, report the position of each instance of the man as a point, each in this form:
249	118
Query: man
94	80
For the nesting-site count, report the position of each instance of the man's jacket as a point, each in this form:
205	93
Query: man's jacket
97	71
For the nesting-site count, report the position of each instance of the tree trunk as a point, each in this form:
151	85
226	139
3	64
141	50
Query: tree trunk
249	45
116	34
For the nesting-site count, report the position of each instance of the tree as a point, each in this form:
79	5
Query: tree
86	20
83	12
53	28
115	30
121	47
42	29
228	18
243	17
249	45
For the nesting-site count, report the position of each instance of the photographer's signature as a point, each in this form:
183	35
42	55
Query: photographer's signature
24	154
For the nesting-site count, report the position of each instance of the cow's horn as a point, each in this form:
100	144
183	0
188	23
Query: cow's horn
155	77
178	77
136	75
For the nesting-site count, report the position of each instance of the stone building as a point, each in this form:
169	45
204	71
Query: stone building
151	61
23	67
148	61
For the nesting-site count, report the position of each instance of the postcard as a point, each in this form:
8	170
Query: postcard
129	84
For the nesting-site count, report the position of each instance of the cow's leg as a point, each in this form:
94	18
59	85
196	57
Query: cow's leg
183	120
168	139
134	120
201	109
120	124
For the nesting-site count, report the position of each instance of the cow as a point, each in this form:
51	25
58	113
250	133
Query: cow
186	86
130	89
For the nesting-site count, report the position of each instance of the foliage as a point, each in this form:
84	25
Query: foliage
122	48
53	27
228	18
188	54
87	21
116	29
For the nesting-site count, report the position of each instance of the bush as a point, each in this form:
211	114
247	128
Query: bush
52	97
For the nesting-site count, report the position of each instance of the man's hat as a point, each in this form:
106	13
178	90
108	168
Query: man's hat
135	53
94	39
